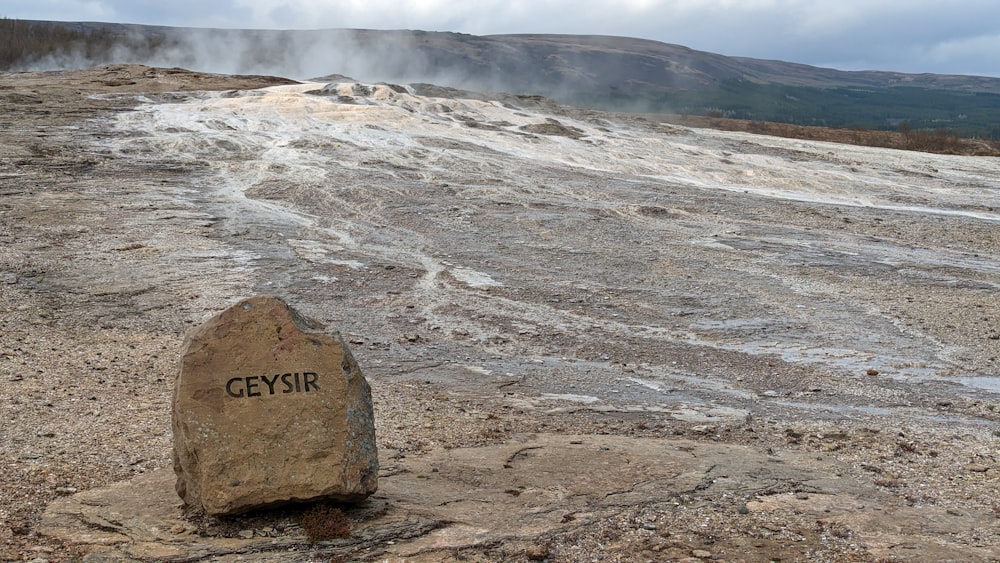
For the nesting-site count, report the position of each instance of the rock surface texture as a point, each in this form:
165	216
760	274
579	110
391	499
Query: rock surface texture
270	409
651	343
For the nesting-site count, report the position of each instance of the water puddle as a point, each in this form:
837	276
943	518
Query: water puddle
856	410
985	383
586	399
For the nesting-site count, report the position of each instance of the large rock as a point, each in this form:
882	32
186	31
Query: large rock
270	409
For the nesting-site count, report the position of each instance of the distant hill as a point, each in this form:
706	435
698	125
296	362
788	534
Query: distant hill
617	73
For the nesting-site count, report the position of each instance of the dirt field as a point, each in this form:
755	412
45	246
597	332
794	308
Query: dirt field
589	336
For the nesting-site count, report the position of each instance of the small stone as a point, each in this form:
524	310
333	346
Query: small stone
872	372
977	468
770	393
743	509
246	534
701	554
65	490
537	553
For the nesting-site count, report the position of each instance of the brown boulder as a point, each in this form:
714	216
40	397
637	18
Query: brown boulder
270	409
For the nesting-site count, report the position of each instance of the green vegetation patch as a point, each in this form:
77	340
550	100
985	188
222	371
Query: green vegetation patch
968	114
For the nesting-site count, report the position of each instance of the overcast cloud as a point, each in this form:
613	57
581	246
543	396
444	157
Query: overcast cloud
956	37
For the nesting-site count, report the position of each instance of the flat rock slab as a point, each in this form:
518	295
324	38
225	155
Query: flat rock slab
143	520
527	491
270	409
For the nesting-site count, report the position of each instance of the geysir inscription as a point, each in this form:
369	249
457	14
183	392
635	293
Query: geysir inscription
278	384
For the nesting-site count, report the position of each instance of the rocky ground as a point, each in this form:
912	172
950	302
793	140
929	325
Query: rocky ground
764	349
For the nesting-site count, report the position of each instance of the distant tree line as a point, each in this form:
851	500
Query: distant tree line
927	111
22	43
26	44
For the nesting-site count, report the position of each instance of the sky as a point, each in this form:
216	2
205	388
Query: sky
917	36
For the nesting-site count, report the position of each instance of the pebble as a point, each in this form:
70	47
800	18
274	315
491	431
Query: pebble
537	553
701	554
246	534
977	468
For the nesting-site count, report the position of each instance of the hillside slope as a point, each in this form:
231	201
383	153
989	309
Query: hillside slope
617	73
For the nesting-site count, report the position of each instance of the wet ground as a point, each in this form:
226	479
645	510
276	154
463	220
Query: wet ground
621	261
